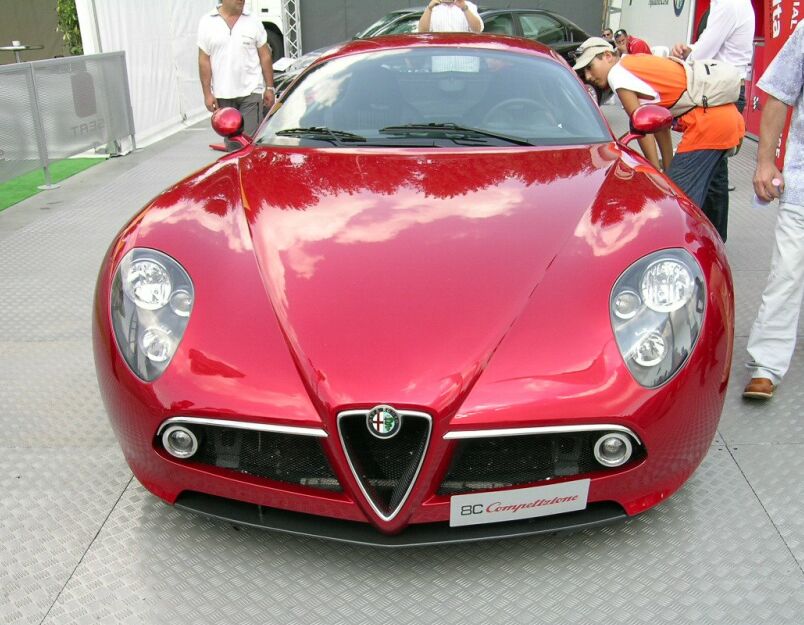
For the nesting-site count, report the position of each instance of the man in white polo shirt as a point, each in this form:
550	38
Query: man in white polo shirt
234	63
450	16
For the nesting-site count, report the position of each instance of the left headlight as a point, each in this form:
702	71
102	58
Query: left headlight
151	301
657	309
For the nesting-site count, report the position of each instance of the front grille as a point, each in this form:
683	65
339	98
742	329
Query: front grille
500	462
289	458
385	468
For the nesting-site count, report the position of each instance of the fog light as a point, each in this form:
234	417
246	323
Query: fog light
179	441
613	450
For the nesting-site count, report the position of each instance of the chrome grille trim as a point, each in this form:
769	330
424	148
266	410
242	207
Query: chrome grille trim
243	425
552	429
366	496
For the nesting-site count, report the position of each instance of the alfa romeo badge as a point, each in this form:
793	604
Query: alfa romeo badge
383	421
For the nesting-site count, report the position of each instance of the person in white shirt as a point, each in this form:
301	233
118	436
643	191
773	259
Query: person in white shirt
234	63
728	37
450	16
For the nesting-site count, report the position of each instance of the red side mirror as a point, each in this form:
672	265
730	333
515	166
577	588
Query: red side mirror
647	119
228	123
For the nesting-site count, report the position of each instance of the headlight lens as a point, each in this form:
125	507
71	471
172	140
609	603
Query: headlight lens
151	301
656	310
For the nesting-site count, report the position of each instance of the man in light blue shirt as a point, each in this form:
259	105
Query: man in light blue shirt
773	335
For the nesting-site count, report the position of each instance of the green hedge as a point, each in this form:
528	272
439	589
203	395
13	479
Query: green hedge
68	25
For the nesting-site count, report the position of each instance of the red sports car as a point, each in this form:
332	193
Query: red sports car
432	300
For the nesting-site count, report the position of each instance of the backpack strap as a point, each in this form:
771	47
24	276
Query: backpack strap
683	103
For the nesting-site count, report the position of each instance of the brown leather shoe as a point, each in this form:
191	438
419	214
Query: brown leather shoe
759	388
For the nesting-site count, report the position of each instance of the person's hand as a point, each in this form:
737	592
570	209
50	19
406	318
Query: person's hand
433	3
680	51
461	4
622	47
211	102
268	98
765	178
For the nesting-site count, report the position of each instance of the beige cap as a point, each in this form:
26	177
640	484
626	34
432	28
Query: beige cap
589	49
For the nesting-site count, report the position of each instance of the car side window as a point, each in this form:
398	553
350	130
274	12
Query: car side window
502	24
542	28
403	26
577	34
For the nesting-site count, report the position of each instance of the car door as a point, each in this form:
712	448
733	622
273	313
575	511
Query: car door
546	29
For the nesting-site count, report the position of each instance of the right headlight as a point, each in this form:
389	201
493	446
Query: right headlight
657	309
151	301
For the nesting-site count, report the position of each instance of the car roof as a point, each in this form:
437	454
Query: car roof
412	40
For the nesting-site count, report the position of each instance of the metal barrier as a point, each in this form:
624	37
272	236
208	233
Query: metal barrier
54	109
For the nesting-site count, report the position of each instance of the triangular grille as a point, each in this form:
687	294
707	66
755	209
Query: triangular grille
385	468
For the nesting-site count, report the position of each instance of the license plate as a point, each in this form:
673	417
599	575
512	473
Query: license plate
521	503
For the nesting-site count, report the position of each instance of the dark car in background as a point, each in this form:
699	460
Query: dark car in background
546	27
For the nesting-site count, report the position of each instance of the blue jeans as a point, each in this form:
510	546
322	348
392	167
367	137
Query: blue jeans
694	172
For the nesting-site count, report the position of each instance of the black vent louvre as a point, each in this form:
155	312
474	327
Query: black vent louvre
385	468
289	458
499	462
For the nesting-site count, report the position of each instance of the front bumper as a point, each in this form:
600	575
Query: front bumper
419	535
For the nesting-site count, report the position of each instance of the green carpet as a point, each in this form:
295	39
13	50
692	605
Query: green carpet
22	187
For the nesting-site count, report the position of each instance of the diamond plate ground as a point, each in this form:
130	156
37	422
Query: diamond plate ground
726	549
768	469
152	563
53	504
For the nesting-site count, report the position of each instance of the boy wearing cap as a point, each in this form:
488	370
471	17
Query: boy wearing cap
707	134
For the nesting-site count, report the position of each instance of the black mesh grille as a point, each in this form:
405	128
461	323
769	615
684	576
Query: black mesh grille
486	463
385	467
281	457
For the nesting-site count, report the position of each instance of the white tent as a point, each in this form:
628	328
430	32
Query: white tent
159	39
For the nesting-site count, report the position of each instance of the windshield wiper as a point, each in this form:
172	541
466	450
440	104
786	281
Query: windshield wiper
451	131
322	133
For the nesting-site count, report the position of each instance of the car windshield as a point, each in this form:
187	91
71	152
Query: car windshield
436	96
372	30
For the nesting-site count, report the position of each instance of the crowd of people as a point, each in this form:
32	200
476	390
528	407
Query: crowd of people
236	71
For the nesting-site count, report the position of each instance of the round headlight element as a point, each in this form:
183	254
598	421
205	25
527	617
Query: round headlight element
181	303
179	441
667	285
613	450
626	304
651	350
157	344
147	284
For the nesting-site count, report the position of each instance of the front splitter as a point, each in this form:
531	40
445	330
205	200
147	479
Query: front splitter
417	535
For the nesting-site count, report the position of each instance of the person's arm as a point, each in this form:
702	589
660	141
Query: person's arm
269	96
424	22
205	73
630	103
472	18
771	126
665	142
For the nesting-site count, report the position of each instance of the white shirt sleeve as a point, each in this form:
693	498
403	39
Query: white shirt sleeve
621	78
203	35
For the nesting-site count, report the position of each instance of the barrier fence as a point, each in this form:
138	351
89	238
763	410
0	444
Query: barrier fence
54	109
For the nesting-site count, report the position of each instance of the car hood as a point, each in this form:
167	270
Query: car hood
395	276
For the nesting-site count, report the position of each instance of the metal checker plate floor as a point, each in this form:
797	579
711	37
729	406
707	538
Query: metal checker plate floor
82	542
